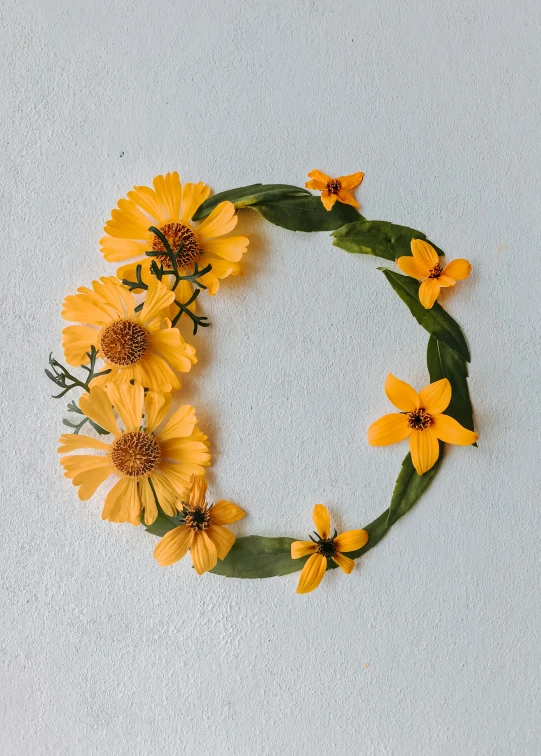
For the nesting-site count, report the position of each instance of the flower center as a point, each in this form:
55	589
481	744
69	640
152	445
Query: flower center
326	548
436	271
178	235
419	419
135	453
198	519
123	342
334	186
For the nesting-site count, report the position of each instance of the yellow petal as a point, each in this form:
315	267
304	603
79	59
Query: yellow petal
90	479
424	253
319	176
167	495
148	502
193	195
312	573
231	248
424	449
445	282
221	221
156	407
389	429
351	540
401	394
315	184
351	181
429	291
76	342
322	520
173	546
222	538
122	503
328	200
347	198
451	432
302	548
435	397
168	191
198	491
170	344
157	300
413	268
180	425
457	269
224	513
128	400
203	552
97	407
71	441
345	563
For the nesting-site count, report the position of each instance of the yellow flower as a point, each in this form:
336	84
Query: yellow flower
424	265
421	420
142	460
203	532
325	548
333	189
133	345
169	206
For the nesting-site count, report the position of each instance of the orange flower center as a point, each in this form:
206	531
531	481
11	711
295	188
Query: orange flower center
436	271
419	419
326	548
198	519
123	343
135	453
178	235
334	186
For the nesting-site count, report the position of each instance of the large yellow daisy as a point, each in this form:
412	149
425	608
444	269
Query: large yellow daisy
169	206
135	346
148	465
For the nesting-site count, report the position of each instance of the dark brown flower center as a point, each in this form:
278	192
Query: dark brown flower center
178	235
326	548
197	519
436	271
135	453
419	419
123	343
334	186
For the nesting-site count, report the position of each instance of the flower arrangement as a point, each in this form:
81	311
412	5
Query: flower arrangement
174	242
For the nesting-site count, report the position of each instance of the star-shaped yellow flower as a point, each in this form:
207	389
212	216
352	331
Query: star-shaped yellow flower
333	189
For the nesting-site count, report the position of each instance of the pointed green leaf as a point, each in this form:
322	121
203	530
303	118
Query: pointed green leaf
446	363
410	487
436	321
306	213
244	196
162	525
259	557
378	238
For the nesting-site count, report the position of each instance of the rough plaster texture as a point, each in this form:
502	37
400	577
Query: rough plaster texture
432	645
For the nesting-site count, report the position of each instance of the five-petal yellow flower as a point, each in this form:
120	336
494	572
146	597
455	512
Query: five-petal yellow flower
202	533
146	462
324	548
335	189
421	420
170	207
424	265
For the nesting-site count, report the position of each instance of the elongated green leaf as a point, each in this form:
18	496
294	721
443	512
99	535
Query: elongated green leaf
259	557
446	363
378	238
410	487
306	213
162	525
436	321
244	196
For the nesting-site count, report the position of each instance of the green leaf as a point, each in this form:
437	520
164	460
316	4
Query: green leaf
162	525
436	321
378	238
446	363
306	213
259	557
410	487
245	196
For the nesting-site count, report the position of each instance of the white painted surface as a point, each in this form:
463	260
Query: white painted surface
432	645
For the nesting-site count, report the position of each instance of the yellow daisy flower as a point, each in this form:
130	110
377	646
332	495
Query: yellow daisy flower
335	189
169	206
202	533
135	346
421	420
424	265
324	548
144	461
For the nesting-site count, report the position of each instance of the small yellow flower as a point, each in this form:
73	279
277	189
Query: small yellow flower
135	346
325	548
143	460
424	265
333	189
421	420
169	206
202	533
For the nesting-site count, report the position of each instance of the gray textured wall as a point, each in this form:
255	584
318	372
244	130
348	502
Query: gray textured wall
432	645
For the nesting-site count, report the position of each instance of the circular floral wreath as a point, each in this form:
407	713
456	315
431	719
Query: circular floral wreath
173	242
